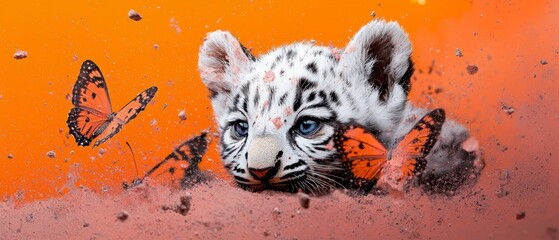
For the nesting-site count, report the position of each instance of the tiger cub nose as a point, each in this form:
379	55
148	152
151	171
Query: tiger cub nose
260	174
263	160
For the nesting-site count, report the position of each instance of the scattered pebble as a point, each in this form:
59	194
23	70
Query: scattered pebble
182	115
508	109
1	97
543	62
277	211
51	154
134	15
521	215
153	122
20	54
122	215
164	106
459	53
75	57
373	14
472	69
185	204
156	46
10	156
304	200
85	224
182	208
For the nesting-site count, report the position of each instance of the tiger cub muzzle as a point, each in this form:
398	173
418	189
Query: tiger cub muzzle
264	154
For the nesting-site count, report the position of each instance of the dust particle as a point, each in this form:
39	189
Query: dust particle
122	215
51	154
459	53
20	54
521	215
543	62
102	151
507	109
304	200
134	15
472	69
182	115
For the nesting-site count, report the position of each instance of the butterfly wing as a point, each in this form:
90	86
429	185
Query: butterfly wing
134	107
92	104
417	144
182	163
360	151
127	113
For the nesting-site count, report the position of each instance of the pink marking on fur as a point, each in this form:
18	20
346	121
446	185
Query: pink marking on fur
277	122
349	49
330	145
335	52
269	76
213	74
294	81
239	53
287	111
265	104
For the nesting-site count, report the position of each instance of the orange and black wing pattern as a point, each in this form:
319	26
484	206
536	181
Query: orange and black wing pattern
127	113
417	144
361	153
182	163
92	116
92	105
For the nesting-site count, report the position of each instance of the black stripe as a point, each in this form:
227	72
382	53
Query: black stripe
256	97
282	99
293	174
241	179
303	85
295	165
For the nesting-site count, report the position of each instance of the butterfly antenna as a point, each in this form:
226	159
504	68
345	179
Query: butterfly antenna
133	157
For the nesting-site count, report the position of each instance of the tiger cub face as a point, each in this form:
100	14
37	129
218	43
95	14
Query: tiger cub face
277	113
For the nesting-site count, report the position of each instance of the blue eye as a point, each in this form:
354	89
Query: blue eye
307	126
240	129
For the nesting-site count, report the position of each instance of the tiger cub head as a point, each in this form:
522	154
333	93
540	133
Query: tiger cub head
276	113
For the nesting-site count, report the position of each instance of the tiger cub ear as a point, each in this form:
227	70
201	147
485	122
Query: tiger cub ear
380	52
221	61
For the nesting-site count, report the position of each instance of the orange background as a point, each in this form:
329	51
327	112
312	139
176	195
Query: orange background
505	39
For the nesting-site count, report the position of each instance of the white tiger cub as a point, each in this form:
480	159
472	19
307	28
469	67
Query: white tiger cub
277	113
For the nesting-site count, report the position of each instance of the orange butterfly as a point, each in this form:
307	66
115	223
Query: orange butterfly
93	117
186	158
369	163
